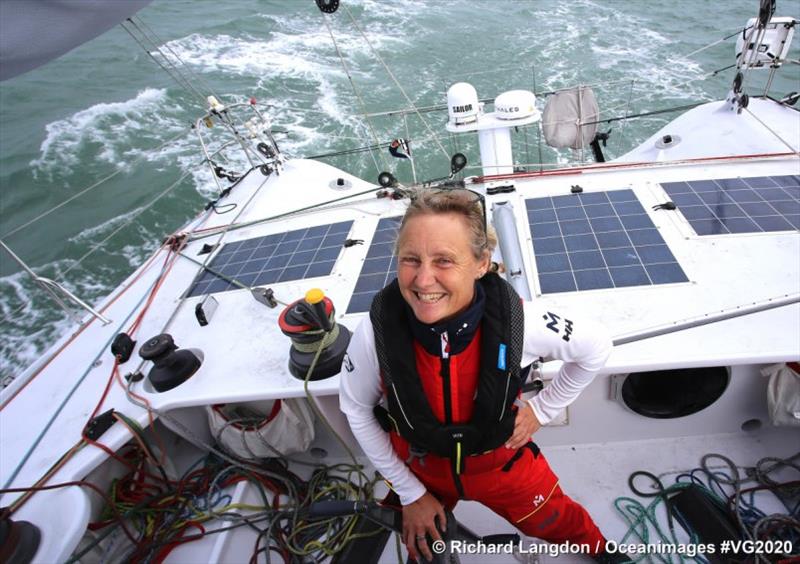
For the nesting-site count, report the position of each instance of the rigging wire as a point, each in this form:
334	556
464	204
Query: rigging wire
210	232
146	299
61	276
148	296
69	395
358	95
354	151
130	220
141	271
397	83
794	150
625	117
185	240
89	188
168	66
194	75
701	49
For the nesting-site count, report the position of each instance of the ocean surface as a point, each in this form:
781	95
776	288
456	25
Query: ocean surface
107	108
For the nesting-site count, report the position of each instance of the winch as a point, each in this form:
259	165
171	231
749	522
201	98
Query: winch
310	324
171	367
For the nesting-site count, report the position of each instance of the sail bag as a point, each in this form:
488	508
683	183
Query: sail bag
570	117
783	393
267	430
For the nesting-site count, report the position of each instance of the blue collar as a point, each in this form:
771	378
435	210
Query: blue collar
460	330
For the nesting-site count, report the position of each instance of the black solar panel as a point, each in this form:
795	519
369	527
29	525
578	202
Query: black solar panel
379	267
281	257
738	205
598	240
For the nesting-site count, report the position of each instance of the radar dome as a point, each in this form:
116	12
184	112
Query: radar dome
515	104
462	103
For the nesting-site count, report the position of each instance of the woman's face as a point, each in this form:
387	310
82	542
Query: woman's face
436	269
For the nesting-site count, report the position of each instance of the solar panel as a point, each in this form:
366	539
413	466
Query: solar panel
379	267
596	240
281	257
738	205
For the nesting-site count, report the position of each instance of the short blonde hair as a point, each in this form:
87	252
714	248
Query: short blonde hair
459	201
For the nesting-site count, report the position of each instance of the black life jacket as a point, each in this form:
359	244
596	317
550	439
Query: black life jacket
498	385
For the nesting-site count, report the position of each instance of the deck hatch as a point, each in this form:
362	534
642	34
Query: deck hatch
738	205
280	257
596	240
379	267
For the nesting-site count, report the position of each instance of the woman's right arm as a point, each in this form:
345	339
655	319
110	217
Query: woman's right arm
359	392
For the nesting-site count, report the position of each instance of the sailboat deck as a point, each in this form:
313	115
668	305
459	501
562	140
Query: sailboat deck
246	355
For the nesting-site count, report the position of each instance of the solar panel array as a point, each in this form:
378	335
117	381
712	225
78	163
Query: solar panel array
598	240
379	267
738	205
281	257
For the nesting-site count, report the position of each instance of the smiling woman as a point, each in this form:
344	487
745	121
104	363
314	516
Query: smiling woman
443	247
435	381
436	270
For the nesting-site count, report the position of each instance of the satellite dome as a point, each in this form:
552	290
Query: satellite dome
462	103
515	104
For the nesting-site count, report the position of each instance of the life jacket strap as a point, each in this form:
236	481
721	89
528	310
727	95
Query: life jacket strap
416	452
385	420
530	445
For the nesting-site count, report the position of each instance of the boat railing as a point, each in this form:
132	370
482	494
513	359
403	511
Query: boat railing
253	135
56	290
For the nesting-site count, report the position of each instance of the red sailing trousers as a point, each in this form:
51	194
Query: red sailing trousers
522	489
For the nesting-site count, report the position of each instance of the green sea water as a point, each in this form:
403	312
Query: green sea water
107	108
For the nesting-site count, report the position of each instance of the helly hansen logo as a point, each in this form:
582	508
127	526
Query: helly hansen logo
553	324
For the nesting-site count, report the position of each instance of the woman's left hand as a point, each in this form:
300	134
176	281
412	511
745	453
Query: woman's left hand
525	425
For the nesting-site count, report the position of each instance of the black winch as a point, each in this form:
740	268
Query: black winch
310	324
19	540
171	367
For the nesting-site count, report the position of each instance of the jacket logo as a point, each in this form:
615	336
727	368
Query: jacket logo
548	521
537	501
347	363
553	325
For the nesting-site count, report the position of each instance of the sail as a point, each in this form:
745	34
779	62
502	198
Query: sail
35	32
